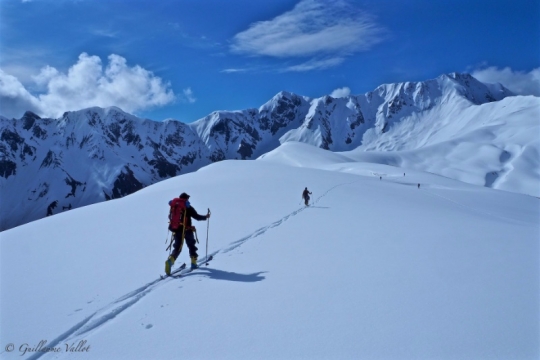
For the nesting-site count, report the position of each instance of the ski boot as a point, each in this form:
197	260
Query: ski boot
194	263
168	265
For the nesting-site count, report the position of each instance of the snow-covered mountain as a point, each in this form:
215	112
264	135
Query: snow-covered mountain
375	268
346	123
52	165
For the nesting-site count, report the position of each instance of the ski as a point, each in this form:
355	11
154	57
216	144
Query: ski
175	271
210	258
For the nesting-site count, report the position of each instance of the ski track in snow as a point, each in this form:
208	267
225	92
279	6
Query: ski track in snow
264	229
115	308
100	317
431	193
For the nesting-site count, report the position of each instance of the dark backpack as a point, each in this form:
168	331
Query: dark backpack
177	212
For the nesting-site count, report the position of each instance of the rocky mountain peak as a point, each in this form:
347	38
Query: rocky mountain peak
95	154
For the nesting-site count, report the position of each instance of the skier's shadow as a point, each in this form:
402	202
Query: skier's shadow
226	275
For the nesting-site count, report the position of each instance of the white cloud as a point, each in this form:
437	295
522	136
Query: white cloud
104	32
341	92
519	82
312	28
188	94
14	98
46	74
86	84
316	64
231	70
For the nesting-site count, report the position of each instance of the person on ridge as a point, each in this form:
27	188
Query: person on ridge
179	233
305	196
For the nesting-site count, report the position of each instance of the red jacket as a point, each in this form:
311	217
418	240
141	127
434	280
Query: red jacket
177	224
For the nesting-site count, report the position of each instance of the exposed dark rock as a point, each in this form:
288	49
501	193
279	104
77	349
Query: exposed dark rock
28	119
126	183
359	121
51	207
50	160
73	184
7	168
114	133
44	189
85	139
39	132
164	168
385	128
217	155
222	128
13	139
245	150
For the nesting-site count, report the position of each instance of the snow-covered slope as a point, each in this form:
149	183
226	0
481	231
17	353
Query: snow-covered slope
250	133
376	268
496	145
48	166
366	120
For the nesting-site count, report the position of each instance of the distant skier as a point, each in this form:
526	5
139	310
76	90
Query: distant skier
419	186
305	196
180	214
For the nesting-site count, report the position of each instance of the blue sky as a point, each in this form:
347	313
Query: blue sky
183	59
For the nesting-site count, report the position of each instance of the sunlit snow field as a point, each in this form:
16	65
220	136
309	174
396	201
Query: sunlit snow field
376	267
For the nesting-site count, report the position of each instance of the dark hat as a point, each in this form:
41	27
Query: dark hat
184	196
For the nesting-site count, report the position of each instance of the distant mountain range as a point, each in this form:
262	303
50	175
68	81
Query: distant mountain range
49	166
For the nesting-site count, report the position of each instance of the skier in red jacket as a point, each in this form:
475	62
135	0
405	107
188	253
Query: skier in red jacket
178	220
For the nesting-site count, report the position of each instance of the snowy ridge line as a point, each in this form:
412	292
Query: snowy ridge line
264	229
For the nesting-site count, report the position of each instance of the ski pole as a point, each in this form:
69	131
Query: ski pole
207	229
170	244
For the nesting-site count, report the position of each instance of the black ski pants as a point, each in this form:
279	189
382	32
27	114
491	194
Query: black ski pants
190	242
